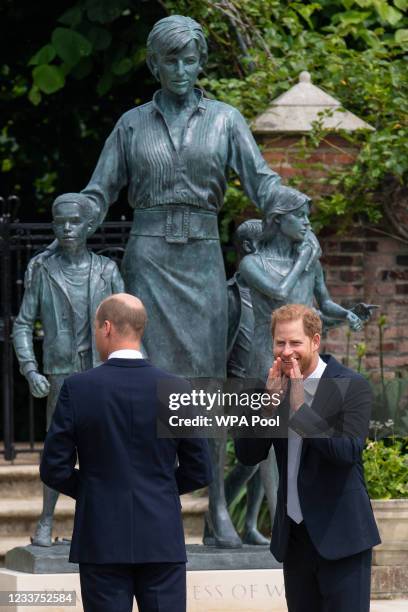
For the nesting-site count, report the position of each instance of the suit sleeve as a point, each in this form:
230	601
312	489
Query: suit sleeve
194	468
251	451
57	469
345	442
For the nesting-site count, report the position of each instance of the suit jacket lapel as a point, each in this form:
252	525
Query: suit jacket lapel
324	392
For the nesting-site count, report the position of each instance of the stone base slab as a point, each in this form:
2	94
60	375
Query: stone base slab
390	582
236	590
207	591
41	559
215	591
54	559
391	553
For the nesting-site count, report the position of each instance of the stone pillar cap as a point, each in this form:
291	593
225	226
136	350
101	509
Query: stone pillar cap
299	107
305	77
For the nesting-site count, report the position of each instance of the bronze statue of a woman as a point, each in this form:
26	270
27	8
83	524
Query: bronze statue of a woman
173	154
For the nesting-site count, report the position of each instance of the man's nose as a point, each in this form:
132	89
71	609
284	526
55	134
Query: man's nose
67	227
287	351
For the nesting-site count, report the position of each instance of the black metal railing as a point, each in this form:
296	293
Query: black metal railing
19	242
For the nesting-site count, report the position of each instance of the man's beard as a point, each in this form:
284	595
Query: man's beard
305	362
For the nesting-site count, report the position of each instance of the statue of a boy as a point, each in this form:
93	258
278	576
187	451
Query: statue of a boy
64	291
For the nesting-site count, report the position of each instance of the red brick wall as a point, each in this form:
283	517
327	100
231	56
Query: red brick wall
284	155
359	267
369	268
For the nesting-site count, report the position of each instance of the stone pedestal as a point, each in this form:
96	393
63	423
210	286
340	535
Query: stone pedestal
207	591
218	580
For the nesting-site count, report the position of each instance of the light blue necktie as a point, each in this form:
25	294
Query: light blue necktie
294	453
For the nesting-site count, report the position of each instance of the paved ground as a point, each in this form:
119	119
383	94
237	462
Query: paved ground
33	458
397	605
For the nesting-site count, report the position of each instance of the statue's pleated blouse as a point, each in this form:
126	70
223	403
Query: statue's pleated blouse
182	285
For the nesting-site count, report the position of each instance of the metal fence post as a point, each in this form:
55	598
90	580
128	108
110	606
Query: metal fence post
8	414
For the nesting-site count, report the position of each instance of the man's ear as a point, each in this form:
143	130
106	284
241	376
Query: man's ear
107	328
316	342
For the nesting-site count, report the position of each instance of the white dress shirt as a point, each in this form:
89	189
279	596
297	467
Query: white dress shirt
126	354
295	446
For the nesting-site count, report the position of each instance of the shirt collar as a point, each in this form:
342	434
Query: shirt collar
319	369
201	101
312	381
126	354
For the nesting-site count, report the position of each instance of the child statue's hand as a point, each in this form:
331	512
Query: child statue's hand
316	250
309	250
355	323
39	385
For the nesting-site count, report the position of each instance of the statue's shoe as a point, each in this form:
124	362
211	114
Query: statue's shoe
254	537
221	530
42	536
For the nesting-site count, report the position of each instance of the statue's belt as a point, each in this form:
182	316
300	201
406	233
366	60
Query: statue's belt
176	224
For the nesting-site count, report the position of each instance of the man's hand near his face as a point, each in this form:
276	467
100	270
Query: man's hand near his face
277	383
297	391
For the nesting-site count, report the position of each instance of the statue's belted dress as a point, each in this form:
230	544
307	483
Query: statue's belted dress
173	260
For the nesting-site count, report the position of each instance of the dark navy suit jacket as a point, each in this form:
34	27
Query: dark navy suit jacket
332	492
127	486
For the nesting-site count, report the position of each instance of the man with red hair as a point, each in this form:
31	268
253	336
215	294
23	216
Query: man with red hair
324	526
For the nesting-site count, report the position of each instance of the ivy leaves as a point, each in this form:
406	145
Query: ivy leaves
68	46
354	50
83	41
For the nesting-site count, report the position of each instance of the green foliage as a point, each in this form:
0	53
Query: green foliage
355	50
48	79
85	59
68	71
386	468
87	37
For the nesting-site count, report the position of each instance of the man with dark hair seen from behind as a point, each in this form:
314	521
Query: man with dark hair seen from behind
128	531
324	527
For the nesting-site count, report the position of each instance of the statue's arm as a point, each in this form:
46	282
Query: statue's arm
24	324
328	307
118	285
111	172
259	181
23	333
276	288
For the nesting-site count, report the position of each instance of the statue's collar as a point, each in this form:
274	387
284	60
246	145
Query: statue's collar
201	101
